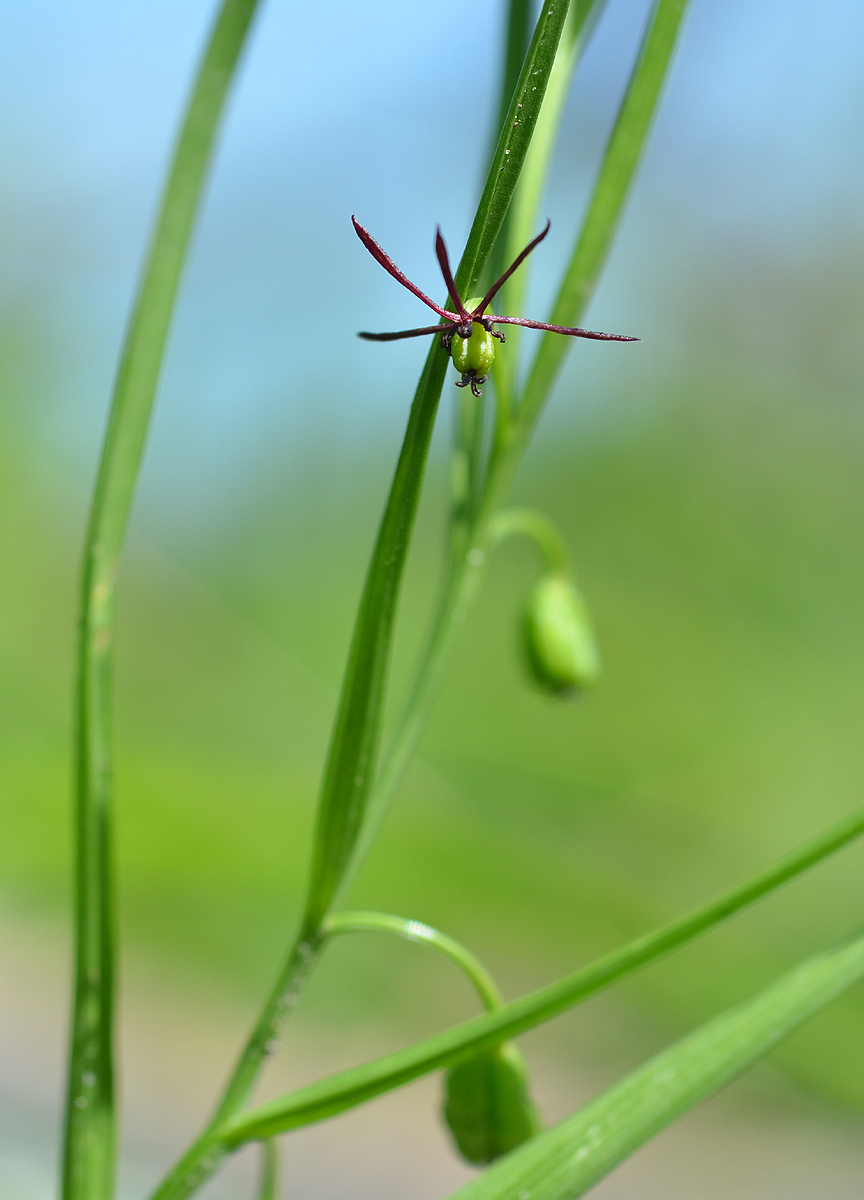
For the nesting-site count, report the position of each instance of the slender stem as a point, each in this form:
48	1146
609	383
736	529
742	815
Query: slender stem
538	529
89	1146
418	931
205	1155
347	1089
268	1186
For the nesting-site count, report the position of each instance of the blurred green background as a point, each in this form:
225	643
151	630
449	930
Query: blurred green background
709	484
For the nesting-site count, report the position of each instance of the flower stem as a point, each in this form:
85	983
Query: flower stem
419	931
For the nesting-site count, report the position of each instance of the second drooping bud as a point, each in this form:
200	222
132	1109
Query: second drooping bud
559	640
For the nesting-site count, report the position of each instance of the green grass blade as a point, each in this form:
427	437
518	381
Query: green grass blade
88	1161
623	152
350	1088
351	762
566	1161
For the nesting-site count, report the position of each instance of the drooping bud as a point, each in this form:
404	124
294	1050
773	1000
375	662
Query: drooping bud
487	1107
559	640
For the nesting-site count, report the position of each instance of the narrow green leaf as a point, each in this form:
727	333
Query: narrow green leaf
564	1162
351	761
89	1153
350	1088
352	758
623	152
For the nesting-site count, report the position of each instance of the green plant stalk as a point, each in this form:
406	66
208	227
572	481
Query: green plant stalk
463	576
418	931
89	1137
347	1089
351	758
620	161
268	1185
564	1162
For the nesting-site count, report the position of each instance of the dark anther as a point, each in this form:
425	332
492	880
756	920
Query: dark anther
473	380
465	330
486	322
446	339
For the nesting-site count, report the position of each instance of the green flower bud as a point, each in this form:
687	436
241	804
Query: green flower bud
487	1107
562	653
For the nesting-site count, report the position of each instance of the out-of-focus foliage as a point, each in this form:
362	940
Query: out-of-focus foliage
715	516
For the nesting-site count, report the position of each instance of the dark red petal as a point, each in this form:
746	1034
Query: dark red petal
404	333
499	283
444	264
583	333
388	264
